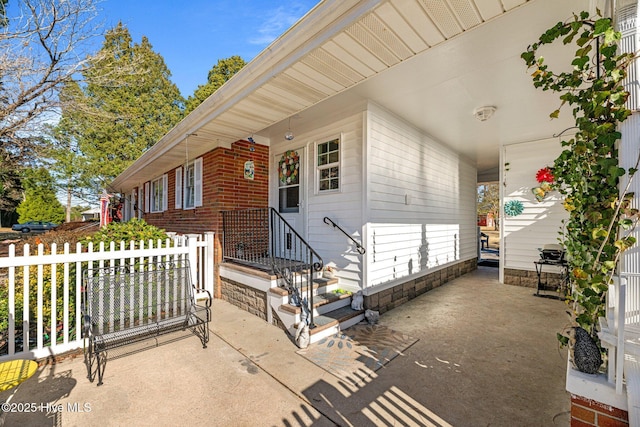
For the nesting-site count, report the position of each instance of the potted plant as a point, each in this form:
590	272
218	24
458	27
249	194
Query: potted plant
587	173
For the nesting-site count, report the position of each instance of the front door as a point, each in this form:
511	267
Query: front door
291	188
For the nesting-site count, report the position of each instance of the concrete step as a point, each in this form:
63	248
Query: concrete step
331	323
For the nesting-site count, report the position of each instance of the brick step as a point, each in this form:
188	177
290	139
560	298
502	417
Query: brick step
318	301
318	283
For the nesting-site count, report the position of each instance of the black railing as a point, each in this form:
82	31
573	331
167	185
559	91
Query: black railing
361	250
246	237
262	238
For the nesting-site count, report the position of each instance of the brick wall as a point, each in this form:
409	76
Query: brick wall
223	188
589	413
388	299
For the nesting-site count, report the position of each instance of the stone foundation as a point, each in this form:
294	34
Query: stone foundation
255	301
388	299
529	279
245	297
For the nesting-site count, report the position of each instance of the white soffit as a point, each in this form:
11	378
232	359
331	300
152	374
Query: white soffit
388	33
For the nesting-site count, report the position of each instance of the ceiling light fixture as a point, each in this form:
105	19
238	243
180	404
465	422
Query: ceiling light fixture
484	113
288	134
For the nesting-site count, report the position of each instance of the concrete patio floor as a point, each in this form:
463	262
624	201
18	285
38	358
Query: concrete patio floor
486	356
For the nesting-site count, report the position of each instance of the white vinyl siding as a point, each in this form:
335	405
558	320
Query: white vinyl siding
540	222
421	200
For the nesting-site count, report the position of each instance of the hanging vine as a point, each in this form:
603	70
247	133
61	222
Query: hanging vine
587	172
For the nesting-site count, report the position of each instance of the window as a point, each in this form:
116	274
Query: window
189	189
328	164
158	194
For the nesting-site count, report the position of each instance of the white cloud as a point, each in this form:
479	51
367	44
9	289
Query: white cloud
276	22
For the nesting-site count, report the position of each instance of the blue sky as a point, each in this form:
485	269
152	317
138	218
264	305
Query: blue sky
192	35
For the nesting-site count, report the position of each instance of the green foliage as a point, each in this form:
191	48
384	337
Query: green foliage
10	181
124	105
48	280
587	171
218	75
134	230
40	202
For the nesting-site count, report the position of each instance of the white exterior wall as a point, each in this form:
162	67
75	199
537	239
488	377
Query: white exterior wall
344	207
421	202
540	222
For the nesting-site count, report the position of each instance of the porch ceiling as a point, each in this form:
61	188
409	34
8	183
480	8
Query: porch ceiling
430	62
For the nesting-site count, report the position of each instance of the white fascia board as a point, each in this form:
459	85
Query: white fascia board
323	22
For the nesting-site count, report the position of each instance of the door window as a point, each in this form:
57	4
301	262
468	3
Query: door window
289	182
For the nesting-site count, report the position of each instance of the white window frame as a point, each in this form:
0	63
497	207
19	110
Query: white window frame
194	188
337	164
158	194
178	187
147	200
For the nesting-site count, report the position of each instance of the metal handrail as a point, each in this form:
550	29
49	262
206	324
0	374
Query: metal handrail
361	250
295	261
262	238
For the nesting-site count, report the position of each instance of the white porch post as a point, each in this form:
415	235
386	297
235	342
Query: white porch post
627	24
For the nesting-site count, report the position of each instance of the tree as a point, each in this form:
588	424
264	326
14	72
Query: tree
40	202
10	186
489	201
3	12
41	47
125	103
218	75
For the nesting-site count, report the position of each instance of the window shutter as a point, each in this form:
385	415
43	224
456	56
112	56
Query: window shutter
165	192
178	188
197	184
139	199
147	199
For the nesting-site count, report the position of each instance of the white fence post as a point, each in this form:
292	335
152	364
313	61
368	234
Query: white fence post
192	256
210	260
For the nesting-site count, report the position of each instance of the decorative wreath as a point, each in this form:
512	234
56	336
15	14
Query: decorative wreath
545	175
513	207
545	178
289	166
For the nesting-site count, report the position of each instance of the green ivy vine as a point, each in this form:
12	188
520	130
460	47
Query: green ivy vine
587	172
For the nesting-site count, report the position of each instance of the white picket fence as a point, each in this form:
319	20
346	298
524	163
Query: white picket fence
57	277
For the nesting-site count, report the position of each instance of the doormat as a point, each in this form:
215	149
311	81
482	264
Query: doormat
357	352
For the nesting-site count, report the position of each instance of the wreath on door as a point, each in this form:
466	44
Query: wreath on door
289	167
